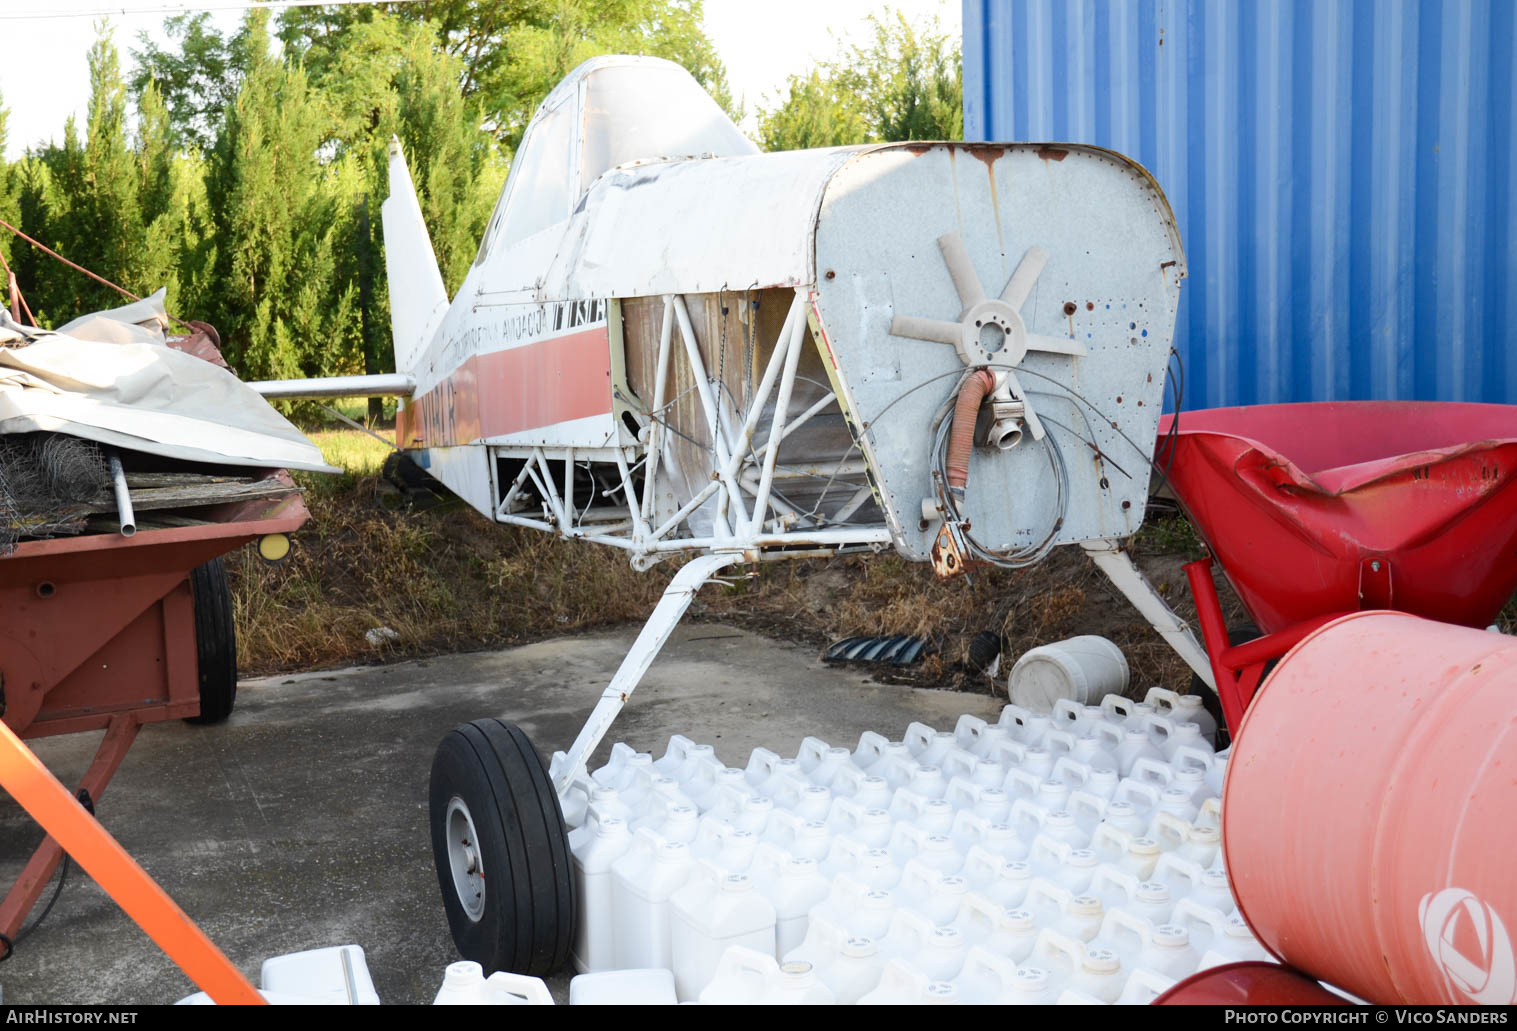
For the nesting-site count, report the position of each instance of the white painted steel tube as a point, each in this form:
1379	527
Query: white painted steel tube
777	426
125	515
393	384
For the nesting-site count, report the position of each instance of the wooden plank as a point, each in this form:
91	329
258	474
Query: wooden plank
149	481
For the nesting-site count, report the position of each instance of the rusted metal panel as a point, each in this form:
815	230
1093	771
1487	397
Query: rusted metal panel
1342	172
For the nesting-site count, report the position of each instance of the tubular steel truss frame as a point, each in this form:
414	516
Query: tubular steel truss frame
751	520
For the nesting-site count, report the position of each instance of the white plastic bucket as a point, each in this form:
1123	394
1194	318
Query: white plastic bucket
1084	669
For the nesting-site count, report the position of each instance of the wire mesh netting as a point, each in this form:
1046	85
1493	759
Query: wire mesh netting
44	478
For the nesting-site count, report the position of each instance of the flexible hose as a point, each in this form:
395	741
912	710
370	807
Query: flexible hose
965	410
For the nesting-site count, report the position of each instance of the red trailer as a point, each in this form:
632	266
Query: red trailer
108	632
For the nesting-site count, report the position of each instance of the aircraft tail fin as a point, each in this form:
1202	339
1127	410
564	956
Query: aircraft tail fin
418	299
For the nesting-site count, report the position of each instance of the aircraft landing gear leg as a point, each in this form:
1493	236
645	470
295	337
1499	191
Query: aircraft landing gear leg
1110	557
666	616
499	840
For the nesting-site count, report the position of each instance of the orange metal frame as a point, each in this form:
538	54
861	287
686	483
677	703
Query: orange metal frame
80	834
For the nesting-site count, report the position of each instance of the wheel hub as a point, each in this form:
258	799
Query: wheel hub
464	859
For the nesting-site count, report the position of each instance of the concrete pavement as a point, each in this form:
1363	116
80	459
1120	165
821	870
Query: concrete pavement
301	822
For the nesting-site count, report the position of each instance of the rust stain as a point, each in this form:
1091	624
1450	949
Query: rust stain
988	155
953	177
1052	153
918	149
995	204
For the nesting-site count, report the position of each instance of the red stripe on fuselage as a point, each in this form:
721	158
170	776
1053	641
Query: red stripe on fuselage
490	395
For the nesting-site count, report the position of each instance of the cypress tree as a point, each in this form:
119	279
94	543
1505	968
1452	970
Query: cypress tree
279	214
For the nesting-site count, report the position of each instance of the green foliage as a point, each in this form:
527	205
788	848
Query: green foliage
249	183
281	215
198	80
510	53
10	200
907	83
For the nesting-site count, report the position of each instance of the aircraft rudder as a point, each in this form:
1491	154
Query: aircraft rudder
418	298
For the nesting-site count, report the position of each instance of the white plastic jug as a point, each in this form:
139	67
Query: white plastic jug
934	816
1187	708
855	971
1084	669
813	803
624	765
794	886
1143	987
970	831
742	975
595	849
870	827
1058	954
1137	744
986	979
796	985
651	987
1124	933
987	801
338	974
673	820
935	895
873	749
701	777
1009	888
927	745
867	790
1100	976
1026	726
1168	951
710	913
643	879
901	985
856	908
1031	987
464	984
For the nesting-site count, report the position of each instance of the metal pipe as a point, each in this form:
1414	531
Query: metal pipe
392	384
808	415
123	498
689	506
720	446
863	495
840	537
660	388
777	426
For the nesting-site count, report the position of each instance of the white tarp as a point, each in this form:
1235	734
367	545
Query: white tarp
119	389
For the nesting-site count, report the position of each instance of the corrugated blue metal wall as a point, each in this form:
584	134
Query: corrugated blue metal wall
1342	172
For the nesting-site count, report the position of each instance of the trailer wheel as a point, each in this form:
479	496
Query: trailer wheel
501	850
215	641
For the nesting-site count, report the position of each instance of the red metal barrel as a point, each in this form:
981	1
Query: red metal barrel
1249	984
1368	810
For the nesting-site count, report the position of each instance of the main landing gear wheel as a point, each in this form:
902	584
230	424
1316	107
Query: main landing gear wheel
501	850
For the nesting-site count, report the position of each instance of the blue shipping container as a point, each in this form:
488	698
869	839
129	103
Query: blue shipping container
1342	173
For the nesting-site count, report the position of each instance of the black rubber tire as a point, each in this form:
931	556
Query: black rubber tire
526	924
215	641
